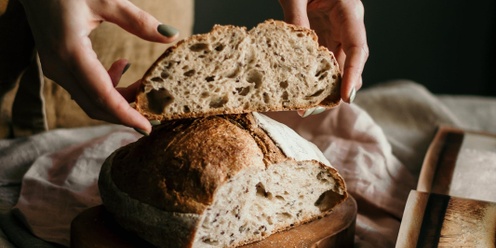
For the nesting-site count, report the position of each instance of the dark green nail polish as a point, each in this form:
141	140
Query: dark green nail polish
126	67
155	122
166	30
141	131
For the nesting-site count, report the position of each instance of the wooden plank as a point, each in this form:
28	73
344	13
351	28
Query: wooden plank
434	220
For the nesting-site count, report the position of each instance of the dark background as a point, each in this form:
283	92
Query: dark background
449	46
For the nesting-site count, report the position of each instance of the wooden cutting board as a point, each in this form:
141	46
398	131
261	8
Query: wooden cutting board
95	228
460	163
434	220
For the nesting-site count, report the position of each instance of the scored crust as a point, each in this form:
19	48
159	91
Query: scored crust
273	67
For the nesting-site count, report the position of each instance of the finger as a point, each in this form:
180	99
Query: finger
354	45
340	56
78	94
117	69
97	84
295	12
129	92
138	22
352	72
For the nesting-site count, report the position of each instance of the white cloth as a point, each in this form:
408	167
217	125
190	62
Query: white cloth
61	184
377	145
358	148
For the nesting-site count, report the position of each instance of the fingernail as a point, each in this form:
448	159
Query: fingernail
307	112
155	122
141	131
352	95
167	30
318	110
126	67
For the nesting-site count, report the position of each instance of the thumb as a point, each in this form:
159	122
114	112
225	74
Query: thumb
295	12
138	22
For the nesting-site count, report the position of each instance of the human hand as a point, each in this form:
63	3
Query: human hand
340	27
61	29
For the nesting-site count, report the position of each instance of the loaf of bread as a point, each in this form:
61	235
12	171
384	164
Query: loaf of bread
273	67
218	181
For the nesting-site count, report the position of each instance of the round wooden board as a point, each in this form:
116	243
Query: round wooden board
95	228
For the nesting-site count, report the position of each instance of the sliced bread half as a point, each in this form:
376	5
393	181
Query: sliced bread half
273	67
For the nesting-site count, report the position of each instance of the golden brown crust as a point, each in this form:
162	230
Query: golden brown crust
163	185
173	157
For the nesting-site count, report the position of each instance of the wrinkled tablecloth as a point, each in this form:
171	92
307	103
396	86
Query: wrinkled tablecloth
377	144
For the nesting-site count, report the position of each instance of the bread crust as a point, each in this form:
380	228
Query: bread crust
176	174
170	178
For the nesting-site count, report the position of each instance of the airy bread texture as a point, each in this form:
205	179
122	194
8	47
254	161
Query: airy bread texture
273	67
218	181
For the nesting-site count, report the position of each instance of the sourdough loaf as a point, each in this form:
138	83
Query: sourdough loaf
218	181
274	66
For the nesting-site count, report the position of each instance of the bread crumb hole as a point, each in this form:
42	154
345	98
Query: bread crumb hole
285	95
283	215
198	47
284	84
321	176
242	228
219	47
209	240
167	66
266	97
262	192
317	93
157	79
327	200
189	73
323	76
210	78
218	102
243	91
158	100
164	75
324	66
186	109
255	77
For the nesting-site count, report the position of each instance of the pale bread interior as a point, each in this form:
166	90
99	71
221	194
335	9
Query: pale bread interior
257	203
275	66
